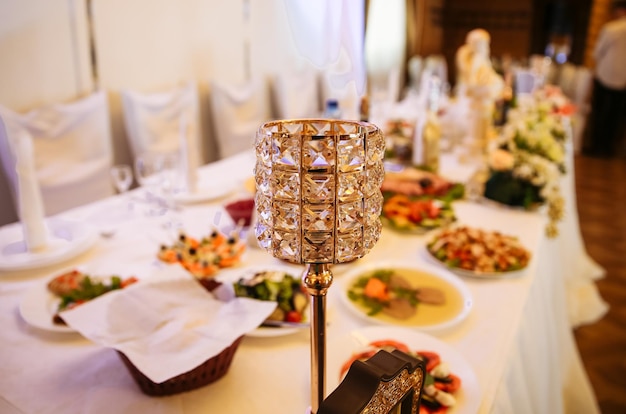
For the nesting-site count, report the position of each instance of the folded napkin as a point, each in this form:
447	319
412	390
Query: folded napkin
30	204
167	324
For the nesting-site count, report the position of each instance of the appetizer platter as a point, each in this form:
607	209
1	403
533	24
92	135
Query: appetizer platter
425	297
450	386
41	305
418	201
415	215
478	253
204	257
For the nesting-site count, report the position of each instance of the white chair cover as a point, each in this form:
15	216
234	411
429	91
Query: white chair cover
72	150
153	120
415	66
436	65
567	79
581	98
238	111
168	123
296	95
525	81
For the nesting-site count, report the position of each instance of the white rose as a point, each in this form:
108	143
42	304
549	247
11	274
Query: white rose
501	160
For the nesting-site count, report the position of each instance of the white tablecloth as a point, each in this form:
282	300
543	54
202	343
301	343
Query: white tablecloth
517	337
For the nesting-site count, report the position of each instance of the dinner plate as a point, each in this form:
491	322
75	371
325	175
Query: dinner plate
468	397
472	273
68	239
230	276
428	318
205	192
38	307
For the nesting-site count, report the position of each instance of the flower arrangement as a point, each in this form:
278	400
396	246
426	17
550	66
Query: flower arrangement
526	167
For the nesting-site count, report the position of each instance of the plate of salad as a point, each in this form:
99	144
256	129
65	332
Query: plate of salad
415	214
423	297
478	253
41	305
450	385
280	284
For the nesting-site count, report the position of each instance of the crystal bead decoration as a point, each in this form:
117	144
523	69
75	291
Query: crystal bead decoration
318	184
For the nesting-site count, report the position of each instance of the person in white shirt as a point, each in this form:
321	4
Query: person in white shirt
608	104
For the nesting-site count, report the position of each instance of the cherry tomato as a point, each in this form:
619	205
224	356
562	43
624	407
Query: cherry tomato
293	316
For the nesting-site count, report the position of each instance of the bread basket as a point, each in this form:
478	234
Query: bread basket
209	371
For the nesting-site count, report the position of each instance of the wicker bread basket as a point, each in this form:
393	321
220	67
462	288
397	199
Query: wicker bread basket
210	371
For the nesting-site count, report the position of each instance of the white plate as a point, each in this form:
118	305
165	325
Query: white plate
204	193
67	240
230	276
472	273
341	350
428	318
39	305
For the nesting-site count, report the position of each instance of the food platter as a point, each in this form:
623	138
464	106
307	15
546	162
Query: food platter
468	397
38	307
427	317
513	253
230	276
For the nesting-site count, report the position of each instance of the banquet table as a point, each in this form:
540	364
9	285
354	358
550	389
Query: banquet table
517	338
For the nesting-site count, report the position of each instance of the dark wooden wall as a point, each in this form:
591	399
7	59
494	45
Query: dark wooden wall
517	27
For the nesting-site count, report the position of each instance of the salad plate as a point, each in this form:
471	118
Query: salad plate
483	254
343	349
235	283
424	297
38	306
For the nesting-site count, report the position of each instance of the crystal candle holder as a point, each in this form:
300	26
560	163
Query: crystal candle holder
318	202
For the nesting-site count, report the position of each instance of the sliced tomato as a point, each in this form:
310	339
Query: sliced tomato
356	357
432	359
128	281
450	386
433	211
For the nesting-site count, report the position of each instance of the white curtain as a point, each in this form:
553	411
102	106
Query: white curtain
323	29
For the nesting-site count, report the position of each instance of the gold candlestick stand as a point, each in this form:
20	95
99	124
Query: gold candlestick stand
318	202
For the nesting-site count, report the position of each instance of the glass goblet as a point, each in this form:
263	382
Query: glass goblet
122	176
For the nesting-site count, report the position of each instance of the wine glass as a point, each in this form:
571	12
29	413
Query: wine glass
148	169
122	176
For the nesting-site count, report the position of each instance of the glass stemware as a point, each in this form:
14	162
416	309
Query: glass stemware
122	176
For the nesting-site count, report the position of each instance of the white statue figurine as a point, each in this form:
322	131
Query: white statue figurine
476	76
479	83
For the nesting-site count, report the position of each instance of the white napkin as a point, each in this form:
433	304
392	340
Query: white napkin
168	324
188	154
30	203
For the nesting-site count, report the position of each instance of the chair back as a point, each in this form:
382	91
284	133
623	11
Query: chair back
154	122
238	110
72	150
296	95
